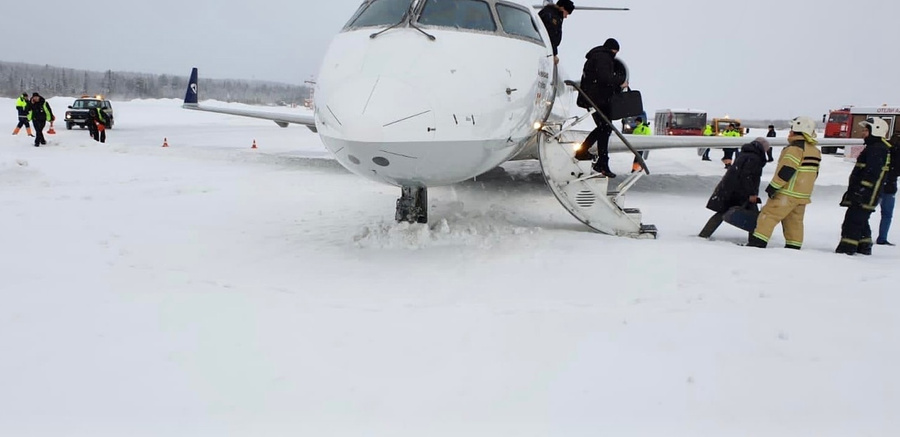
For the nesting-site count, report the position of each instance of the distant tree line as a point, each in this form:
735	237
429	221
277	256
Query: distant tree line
50	81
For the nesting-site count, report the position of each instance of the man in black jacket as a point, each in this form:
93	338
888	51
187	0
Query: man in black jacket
864	189
98	121
601	79
39	113
552	16
740	185
771	134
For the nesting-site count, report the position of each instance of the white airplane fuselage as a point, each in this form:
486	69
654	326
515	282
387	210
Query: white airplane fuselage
408	111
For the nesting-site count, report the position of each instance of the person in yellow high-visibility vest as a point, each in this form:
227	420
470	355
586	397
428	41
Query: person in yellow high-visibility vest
707	132
728	153
641	129
22	109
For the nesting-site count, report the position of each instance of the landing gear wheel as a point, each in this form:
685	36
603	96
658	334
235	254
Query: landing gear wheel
412	206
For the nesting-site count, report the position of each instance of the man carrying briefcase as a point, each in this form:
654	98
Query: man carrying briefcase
600	80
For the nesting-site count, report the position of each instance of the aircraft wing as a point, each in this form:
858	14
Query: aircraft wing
652	142
192	99
658	142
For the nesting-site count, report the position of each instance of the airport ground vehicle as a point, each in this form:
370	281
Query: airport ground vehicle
679	122
78	111
844	122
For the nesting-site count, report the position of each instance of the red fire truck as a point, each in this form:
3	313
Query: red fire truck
679	122
844	122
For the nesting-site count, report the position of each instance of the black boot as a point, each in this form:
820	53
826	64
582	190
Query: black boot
864	249
714	222
755	241
846	249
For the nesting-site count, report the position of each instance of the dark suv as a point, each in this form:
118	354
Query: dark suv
78	111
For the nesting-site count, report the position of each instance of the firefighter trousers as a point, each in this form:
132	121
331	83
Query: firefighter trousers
856	229
787	210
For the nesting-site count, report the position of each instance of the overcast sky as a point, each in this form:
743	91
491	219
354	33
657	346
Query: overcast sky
750	59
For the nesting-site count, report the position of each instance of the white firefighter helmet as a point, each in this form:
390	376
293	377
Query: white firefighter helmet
878	126
804	125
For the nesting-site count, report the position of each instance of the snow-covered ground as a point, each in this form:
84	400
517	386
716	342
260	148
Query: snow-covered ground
207	289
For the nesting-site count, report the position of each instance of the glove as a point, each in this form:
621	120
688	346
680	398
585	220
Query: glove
770	190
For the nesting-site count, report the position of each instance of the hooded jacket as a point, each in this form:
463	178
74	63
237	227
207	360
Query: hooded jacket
741	180
602	77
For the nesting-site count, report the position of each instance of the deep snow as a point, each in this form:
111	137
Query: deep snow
210	289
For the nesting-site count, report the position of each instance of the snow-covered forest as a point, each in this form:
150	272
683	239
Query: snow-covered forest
50	81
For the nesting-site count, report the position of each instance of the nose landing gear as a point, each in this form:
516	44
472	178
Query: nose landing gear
412	206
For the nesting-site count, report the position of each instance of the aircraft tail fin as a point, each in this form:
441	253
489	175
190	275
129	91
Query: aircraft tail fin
192	95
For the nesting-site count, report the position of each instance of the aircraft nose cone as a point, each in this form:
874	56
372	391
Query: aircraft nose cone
379	109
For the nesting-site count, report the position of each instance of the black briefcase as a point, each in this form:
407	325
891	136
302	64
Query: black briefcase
742	217
625	104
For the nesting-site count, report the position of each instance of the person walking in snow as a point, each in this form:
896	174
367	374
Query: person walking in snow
22	109
601	79
791	187
740	185
642	128
39	113
889	194
864	188
98	121
771	134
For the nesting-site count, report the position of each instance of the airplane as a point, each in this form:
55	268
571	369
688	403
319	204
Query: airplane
418	94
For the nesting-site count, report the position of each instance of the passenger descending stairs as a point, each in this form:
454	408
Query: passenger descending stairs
588	197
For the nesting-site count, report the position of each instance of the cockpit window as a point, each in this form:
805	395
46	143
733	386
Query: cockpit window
379	13
517	22
461	14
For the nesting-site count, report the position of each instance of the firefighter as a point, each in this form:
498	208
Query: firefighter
771	134
39	112
791	187
98	121
728	153
707	132
864	189
600	80
552	16
641	129
22	108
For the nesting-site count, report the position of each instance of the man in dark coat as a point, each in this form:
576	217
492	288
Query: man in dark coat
601	79
864	189
552	16
740	185
771	134
39	113
98	121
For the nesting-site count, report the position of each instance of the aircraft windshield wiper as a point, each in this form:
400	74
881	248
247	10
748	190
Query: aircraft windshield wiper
406	19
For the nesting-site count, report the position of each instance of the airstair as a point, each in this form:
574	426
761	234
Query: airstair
590	198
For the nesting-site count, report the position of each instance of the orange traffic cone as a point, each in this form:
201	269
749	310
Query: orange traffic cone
51	131
254	145
165	142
